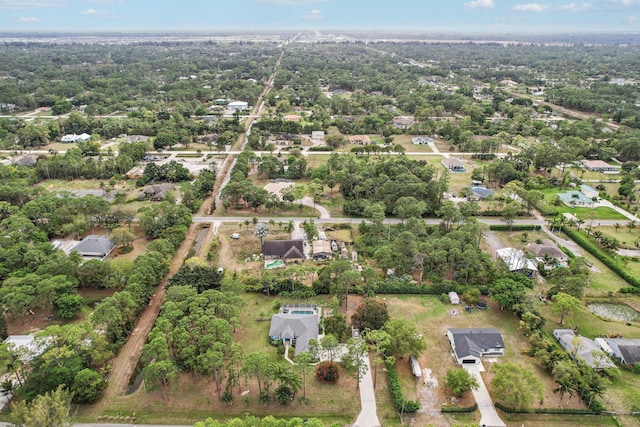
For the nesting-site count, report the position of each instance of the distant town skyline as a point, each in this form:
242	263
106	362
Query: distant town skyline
488	16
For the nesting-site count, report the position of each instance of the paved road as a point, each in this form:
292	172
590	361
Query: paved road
488	415
368	416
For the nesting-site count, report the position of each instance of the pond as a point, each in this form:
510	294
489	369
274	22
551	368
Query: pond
620	312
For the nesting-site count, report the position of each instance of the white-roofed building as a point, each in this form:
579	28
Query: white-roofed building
516	261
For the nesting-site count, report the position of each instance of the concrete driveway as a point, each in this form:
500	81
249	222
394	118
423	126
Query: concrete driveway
488	415
368	416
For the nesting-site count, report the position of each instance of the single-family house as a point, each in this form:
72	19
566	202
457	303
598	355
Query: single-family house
25	160
454	165
360	139
481	193
83	137
295	324
317	135
94	246
402	122
516	261
600	166
582	348
469	345
238	105
454	298
574	198
626	350
69	138
25	346
286	250
321	249
549	253
589	191
156	192
422	140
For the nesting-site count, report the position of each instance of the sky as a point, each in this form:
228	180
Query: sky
488	16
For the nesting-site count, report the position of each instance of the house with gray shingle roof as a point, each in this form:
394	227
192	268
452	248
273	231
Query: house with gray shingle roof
582	348
94	246
626	350
286	250
295	324
469	345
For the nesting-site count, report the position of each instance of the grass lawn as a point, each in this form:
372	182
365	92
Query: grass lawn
85	184
628	238
544	420
587	214
405	141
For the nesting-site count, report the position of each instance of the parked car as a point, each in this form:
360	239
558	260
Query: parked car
235	236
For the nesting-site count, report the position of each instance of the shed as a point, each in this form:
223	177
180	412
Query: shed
321	249
454	298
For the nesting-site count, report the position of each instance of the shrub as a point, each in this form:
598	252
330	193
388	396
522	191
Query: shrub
515	227
574	411
328	372
402	405
458	409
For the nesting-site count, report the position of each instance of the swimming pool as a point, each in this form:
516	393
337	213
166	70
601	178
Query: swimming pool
275	264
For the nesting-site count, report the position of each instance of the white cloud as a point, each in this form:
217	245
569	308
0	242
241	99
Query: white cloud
480	4
631	18
105	1
28	19
293	2
92	12
627	2
530	7
28	4
313	15
575	7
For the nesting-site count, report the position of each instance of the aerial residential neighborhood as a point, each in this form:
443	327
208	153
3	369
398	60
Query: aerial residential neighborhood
313	228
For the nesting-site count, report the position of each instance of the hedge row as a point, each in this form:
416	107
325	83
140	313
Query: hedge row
402	405
515	227
568	411
458	409
602	256
321	148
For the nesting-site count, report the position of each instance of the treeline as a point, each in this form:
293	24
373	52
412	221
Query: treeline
386	182
108	78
